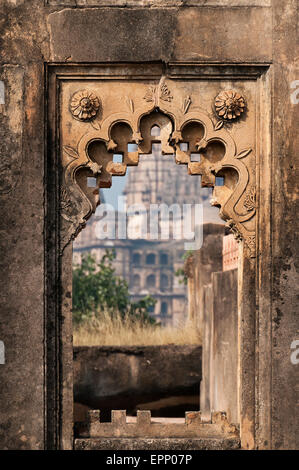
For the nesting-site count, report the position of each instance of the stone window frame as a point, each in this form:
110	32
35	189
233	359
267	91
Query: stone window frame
136	255
164	314
254	284
164	281
136	281
164	256
150	256
150	281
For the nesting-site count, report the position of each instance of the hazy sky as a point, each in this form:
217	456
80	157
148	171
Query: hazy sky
118	184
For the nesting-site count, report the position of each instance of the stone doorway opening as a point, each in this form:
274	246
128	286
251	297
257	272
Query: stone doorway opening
87	136
161	209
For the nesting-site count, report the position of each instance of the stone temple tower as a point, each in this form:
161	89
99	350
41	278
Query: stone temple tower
148	262
159	180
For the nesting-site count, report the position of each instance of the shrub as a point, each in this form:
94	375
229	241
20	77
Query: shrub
97	289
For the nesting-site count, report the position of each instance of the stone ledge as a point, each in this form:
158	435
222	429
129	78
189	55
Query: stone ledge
157	444
159	3
192	427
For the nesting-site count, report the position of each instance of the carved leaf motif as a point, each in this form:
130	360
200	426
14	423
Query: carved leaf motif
65	201
186	104
96	125
243	154
249	202
251	243
71	151
165	94
218	125
150	94
130	104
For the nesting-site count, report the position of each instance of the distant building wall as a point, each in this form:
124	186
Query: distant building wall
148	267
213	307
230	252
199	268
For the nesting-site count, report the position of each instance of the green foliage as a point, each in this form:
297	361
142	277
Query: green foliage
181	272
97	289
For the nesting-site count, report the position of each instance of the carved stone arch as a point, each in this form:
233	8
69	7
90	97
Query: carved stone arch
78	202
165	121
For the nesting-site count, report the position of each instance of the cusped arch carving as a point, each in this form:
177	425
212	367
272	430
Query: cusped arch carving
236	201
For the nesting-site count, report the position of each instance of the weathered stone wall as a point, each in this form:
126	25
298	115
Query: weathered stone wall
220	346
213	303
199	268
227	32
281	378
108	378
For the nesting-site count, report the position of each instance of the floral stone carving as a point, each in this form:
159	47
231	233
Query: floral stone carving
161	92
165	94
229	105
250	199
129	120
84	105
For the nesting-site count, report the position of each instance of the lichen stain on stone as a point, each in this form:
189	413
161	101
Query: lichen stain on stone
11	129
31	108
278	317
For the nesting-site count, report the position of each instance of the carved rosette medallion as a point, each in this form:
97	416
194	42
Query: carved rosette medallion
84	105
229	105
